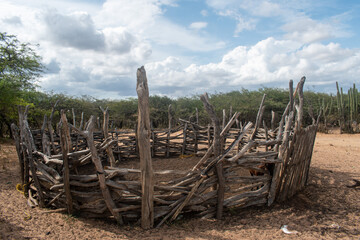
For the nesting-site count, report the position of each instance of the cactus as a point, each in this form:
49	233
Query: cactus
353	105
346	119
340	106
326	110
351	110
356	102
331	104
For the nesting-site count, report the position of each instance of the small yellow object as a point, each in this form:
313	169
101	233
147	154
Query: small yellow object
20	188
28	216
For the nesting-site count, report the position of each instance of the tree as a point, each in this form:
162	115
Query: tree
19	67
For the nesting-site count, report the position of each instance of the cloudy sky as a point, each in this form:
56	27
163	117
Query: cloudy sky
93	47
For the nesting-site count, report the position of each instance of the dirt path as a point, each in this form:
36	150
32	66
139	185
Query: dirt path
327	209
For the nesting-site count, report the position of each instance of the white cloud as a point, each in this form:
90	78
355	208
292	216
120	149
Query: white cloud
15	20
296	24
198	25
244	25
204	13
260	8
74	30
271	62
241	24
264	8
144	18
307	30
118	39
96	52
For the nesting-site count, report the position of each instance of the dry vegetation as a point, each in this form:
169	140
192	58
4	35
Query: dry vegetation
326	209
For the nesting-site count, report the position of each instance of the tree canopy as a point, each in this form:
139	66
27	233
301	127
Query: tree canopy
19	67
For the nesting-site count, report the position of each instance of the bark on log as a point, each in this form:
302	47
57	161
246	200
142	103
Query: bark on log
144	131
106	134
272	120
217	151
169	132
64	129
16	136
28	141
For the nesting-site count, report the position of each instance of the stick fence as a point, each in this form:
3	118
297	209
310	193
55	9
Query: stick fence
80	170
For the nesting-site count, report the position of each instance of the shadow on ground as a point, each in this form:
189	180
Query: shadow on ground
325	208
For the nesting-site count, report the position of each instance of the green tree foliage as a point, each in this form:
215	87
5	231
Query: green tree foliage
123	113
19	67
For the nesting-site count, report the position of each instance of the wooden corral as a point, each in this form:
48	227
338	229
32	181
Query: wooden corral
78	169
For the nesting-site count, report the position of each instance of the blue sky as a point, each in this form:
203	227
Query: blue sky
188	47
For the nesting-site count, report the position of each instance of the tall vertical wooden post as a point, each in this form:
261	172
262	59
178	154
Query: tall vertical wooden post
64	132
217	150
300	107
184	139
73	115
144	131
169	132
16	135
106	135
29	144
272	120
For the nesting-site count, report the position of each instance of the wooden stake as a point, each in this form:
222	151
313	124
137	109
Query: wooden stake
184	139
169	132
147	184
299	108
258	118
28	140
66	171
217	151
272	120
16	136
106	135
73	115
81	121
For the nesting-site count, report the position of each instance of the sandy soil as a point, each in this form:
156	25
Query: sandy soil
326	209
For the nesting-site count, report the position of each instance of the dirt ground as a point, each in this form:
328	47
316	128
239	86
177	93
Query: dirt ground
326	209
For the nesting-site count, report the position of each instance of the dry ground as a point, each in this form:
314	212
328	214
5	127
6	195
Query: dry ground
326	209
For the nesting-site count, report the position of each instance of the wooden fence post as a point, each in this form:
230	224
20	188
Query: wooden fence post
184	139
136	141
28	140
169	133
209	135
15	132
106	135
50	127
73	115
23	150
196	139
272	120
64	132
144	130
217	150
44	138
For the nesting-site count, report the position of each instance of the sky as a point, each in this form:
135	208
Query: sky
188	47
